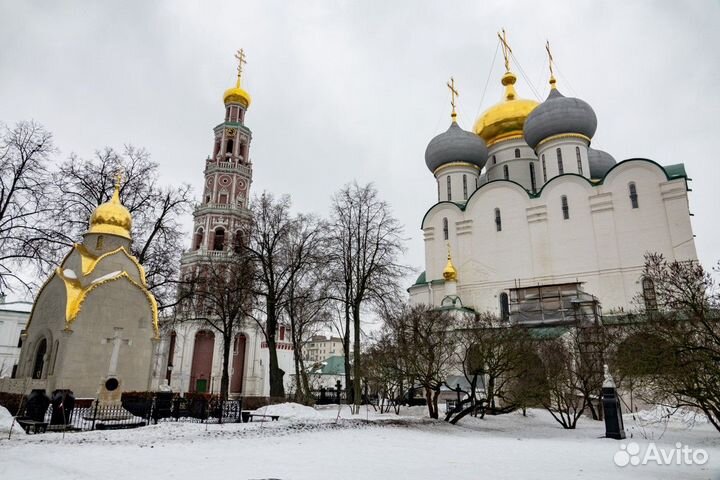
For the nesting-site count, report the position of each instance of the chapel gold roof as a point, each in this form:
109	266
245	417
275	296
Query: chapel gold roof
237	94
112	217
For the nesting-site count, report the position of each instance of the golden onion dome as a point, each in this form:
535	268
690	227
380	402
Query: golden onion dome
505	120
112	217
237	95
450	273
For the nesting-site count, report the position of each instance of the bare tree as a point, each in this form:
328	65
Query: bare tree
562	398
281	245
83	184
218	292
677	363
26	205
496	353
426	344
367	241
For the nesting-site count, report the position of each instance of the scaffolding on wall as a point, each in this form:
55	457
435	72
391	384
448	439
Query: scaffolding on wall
555	304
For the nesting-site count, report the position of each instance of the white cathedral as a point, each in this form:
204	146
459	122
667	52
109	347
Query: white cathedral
534	225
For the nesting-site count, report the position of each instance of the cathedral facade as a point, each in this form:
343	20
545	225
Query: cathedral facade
221	224
535	225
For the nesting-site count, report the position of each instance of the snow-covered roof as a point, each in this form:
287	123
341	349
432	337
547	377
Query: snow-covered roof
21	307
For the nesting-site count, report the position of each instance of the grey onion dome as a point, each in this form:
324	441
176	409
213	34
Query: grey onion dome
600	162
558	115
455	145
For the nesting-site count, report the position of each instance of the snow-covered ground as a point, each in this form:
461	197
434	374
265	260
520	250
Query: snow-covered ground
319	444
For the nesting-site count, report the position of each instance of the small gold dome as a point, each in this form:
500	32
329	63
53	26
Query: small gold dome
506	119
237	95
112	217
450	273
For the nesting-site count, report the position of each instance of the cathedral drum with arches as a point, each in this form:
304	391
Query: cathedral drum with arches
539	227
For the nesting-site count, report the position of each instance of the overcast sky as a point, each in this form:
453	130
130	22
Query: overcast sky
356	90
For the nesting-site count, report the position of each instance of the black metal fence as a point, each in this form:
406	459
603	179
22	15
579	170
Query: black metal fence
132	413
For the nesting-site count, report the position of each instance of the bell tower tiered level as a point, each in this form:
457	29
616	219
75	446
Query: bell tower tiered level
222	217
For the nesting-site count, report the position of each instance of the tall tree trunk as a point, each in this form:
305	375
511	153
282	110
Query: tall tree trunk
357	394
225	377
277	389
346	352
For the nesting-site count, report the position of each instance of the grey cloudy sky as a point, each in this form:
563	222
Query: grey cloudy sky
355	90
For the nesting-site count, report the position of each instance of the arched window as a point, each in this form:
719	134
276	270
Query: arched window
504	307
579	160
506	172
39	364
446	231
517	153
494	160
633	195
100	242
238	241
207	198
464	187
565	207
649	295
229	147
533	185
449	189
498	220
223	198
561	170
197	243
216	150
227	114
544	169
219	240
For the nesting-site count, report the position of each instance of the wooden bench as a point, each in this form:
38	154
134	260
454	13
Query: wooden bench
31	425
248	417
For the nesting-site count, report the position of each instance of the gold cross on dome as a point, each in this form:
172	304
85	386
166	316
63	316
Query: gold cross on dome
550	58
453	95
240	55
507	51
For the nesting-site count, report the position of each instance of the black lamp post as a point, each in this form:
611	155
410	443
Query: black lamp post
614	427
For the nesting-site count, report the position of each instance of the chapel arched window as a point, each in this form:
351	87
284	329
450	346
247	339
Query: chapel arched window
565	207
197	242
449	189
506	172
446	230
219	239
633	195
498	220
649	294
517	153
544	169
561	170
229	147
579	160
504	307
465	191
533	184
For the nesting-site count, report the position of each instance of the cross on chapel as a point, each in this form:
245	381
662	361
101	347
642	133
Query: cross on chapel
116	341
453	95
507	51
240	55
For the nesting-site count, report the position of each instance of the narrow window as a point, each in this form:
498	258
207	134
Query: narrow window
227	114
633	195
494	160
504	307
579	160
561	170
649	295
446	232
282	333
223	198
517	153
465	187
449	189
229	147
198	239
219	240
498	220
544	169
533	185
506	172
99	242
565	208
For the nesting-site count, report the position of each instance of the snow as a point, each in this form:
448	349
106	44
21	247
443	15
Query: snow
291	411
68	273
105	277
336	444
6	420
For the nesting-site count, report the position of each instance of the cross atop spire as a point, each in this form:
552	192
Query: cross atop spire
507	51
453	95
240	55
550	59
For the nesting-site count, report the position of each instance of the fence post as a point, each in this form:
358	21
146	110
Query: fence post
95	412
